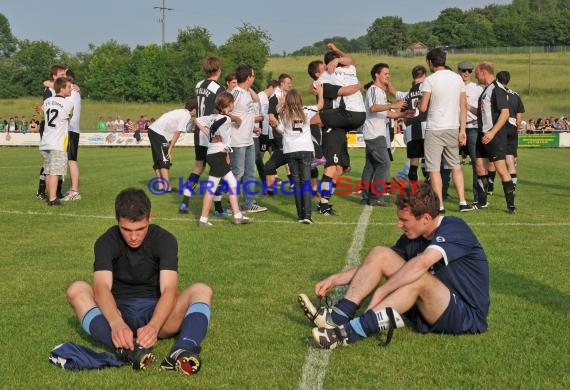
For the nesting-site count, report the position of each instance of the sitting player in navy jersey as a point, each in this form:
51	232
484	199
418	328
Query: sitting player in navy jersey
134	299
437	274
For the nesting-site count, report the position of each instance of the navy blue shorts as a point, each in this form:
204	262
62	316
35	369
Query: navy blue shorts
458	318
136	312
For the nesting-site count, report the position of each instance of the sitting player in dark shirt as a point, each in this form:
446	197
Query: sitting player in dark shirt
134	300
437	274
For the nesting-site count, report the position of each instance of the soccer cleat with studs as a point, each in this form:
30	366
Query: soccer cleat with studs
330	338
140	358
321	317
182	360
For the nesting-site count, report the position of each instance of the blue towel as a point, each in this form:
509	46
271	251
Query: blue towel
71	356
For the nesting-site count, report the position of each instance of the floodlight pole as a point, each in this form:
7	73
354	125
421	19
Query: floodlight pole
163	19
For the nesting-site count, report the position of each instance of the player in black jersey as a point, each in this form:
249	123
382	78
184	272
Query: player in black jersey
206	92
134	300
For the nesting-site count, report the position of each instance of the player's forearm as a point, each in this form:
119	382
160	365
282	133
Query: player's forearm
163	309
108	306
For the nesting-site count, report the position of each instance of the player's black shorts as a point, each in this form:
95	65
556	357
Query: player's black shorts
342	119
159	148
512	139
263	142
199	150
415	148
219	166
276	160
335	148
494	150
72	145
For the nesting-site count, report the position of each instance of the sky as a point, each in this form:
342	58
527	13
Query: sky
72	24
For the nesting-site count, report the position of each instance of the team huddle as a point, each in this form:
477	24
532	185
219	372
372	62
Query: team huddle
436	275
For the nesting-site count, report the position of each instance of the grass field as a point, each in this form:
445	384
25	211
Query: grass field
258	337
547	72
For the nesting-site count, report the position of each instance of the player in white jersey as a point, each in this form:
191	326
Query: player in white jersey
376	136
53	144
218	129
73	145
243	154
443	98
163	134
55	72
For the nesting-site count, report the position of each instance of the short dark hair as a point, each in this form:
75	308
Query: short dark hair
211	65
503	77
419	70
283	77
272	83
331	55
230	76
70	75
54	69
192	104
132	204
313	68
437	56
59	83
377	68
243	72
223	100
421	201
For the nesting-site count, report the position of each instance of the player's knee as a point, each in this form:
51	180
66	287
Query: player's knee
76	290
201	292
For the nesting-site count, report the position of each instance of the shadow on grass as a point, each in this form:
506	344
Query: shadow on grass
509	283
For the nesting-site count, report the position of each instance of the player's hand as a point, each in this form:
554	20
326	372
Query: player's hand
147	336
399	104
331	46
122	336
462	138
487	137
324	287
256	130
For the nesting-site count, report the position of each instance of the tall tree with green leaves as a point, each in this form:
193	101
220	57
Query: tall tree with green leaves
111	75
250	45
388	33
31	65
8	42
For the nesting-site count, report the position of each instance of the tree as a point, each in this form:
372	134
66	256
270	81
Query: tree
111	76
31	65
185	57
450	28
8	42
250	45
388	33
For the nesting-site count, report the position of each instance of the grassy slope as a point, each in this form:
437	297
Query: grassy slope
550	81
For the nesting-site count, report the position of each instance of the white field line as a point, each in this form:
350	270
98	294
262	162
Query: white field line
330	222
317	360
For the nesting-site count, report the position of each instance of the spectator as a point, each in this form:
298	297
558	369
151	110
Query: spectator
101	125
119	124
24	125
11	125
548	125
142	123
128	126
530	126
18	124
3	125
34	125
110	125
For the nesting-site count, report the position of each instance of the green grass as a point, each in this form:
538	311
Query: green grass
258	337
548	74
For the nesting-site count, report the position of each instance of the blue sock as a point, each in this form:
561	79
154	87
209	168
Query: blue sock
194	327
362	327
95	324
343	311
